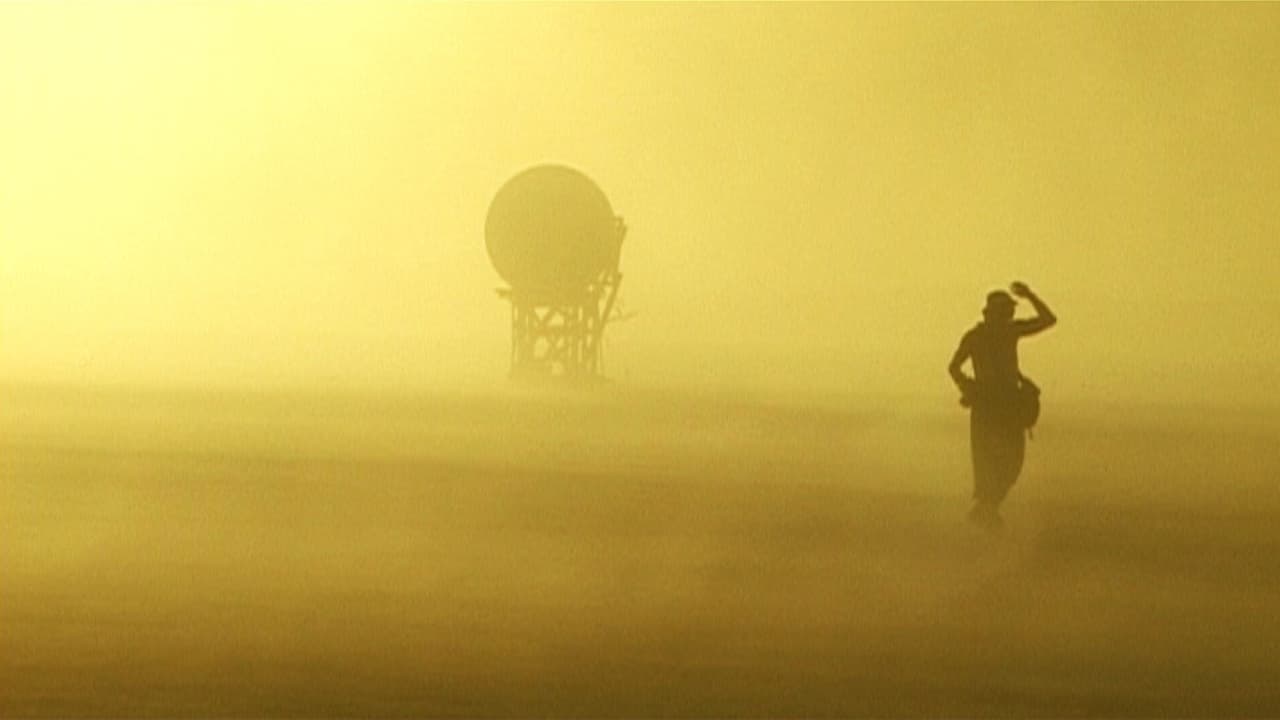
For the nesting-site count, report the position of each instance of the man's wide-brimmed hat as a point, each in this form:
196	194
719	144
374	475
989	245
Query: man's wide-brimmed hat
1000	299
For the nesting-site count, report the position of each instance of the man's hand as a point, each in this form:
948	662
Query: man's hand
1021	290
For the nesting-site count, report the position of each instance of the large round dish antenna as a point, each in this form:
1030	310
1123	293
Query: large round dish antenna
551	227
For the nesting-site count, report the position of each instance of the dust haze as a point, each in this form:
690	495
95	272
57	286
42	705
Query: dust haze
259	455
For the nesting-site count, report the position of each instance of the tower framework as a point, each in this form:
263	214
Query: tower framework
560	332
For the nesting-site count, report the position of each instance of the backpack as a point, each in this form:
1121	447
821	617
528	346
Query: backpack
1028	408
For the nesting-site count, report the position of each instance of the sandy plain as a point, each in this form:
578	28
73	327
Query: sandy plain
625	553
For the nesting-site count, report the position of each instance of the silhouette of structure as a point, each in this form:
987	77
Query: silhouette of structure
552	235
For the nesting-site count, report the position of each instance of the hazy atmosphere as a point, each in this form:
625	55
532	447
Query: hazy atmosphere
267	448
294	193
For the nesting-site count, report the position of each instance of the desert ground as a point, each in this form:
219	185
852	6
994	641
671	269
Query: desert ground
626	553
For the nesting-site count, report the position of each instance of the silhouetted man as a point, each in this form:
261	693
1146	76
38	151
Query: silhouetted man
996	424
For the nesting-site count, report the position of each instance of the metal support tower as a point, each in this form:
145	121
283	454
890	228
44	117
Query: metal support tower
559	333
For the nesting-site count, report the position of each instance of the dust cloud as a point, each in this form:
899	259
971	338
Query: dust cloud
259	455
227	194
623	554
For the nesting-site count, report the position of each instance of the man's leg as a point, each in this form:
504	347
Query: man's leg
1007	461
987	493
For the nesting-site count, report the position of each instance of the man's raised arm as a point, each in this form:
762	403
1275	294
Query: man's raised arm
1044	318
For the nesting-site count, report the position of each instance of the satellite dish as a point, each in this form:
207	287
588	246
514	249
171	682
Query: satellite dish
551	227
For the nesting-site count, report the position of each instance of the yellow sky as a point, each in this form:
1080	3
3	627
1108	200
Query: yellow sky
818	196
